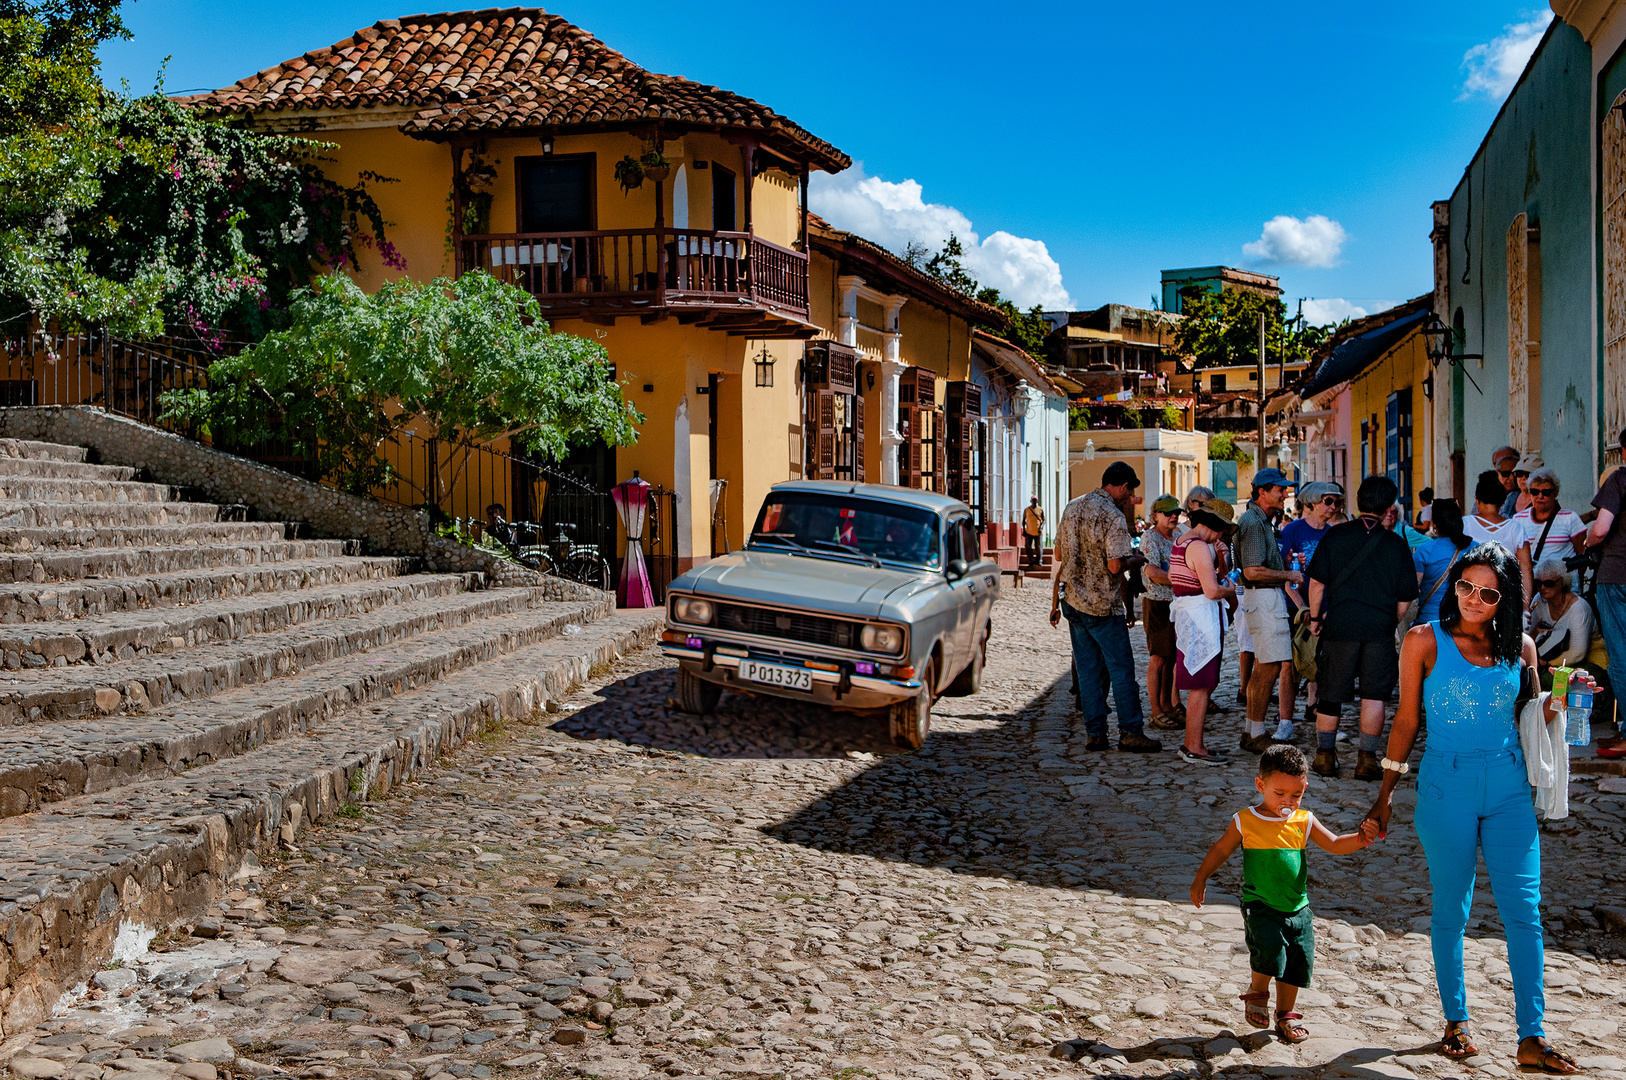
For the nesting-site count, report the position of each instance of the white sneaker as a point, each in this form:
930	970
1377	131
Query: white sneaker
1284	732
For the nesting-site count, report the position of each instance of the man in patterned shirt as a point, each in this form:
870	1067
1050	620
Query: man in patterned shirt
1093	550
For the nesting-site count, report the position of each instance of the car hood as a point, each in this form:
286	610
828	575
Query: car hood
802	581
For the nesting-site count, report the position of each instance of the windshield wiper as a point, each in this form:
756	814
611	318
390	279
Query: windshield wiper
781	538
851	550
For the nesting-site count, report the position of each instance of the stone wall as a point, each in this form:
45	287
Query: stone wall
165	458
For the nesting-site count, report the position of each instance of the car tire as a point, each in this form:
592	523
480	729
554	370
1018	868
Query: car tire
911	720
696	695
969	680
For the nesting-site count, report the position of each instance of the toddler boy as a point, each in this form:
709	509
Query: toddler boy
1275	897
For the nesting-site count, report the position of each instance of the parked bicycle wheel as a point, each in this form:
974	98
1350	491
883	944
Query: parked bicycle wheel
587	568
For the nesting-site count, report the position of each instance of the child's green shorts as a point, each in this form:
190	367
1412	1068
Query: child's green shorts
1280	944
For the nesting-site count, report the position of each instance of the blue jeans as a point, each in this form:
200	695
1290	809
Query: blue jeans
1102	641
1612	623
1468	803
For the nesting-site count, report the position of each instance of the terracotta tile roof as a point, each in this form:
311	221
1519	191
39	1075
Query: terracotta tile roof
503	69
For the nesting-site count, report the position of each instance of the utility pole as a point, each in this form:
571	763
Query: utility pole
1259	462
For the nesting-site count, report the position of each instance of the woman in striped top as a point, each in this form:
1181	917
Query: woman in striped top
1198	627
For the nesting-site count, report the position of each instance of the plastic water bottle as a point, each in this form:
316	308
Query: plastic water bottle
1578	714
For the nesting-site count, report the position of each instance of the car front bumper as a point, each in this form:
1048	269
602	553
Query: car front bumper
846	688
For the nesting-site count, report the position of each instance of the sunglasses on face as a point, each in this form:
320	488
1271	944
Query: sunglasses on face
1332	501
1488	597
1504	473
1521	476
1542	493
1547	584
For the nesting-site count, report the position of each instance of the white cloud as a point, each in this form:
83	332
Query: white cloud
1318	312
1323	311
895	214
1495	66
1312	241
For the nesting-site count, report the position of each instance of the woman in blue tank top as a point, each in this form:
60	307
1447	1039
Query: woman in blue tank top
1472	791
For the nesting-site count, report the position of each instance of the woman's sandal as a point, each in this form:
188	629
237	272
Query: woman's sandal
1258	1015
1288	1031
1457	1043
1552	1060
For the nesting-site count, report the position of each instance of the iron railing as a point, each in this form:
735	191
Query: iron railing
447	480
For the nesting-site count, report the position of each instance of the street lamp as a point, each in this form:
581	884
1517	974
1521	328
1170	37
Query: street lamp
1089	449
1019	399
1440	342
764	362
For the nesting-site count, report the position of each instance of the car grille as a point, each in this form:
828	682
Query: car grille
791	625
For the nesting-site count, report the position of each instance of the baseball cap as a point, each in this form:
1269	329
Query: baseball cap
1316	490
1167	504
1120	472
1271	477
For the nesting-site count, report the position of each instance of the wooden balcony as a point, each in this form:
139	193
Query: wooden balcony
733	282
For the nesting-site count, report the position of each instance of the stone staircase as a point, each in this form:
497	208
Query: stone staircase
180	690
1046	568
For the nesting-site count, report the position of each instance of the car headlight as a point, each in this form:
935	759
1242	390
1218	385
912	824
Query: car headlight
692	609
881	639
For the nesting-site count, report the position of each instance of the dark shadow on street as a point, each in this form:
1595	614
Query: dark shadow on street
987	803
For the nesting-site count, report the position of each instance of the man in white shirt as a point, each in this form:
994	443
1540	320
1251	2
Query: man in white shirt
1546	528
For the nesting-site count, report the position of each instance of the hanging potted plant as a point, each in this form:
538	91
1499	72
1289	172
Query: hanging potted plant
655	166
629	173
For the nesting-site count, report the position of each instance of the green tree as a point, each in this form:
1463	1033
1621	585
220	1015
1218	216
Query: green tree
1222	447
1026	330
473	358
139	215
1222	329
1171	418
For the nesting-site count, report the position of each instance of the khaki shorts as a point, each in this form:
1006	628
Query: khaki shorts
1264	610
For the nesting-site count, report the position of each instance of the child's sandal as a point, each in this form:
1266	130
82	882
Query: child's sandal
1257	1014
1289	1031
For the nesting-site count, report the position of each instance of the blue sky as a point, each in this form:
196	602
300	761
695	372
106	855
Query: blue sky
1086	146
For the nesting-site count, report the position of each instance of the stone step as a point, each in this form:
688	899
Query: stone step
151	853
132	562
41	489
127	635
42	764
125	536
27	448
93	515
50	468
81	692
29	602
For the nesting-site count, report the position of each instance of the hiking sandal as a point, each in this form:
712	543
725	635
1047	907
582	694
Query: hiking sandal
1457	1043
1552	1060
1288	1031
1258	1015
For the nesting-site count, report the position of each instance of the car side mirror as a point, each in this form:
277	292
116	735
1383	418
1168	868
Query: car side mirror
957	569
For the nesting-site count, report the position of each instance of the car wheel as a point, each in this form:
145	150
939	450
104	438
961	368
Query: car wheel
969	680
911	721
696	695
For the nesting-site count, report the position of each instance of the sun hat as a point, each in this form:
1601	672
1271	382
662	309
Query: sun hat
1316	490
1216	513
1530	462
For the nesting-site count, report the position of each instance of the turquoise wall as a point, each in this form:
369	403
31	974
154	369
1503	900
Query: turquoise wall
1535	160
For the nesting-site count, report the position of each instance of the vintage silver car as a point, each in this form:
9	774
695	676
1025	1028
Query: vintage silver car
859	596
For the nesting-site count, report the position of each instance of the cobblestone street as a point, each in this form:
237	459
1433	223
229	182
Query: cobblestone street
620	890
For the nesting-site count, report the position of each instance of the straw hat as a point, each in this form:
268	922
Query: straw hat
1216	513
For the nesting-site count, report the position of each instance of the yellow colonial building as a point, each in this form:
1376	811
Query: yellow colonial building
660	217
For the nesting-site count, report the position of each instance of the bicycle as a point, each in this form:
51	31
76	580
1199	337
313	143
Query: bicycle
579	561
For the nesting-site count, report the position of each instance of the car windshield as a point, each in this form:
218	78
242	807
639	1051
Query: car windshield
831	524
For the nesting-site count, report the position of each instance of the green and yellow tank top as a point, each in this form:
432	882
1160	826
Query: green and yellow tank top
1273	868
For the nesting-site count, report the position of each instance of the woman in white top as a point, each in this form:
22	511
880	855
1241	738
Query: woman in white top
1486	523
1563	621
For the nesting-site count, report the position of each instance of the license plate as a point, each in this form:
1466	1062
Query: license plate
776	675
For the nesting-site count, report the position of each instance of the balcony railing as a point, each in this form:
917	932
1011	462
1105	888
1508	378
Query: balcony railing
630	270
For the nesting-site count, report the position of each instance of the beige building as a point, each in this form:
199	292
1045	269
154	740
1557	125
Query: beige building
1167	462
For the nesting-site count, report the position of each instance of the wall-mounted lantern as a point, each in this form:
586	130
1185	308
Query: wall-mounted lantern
764	365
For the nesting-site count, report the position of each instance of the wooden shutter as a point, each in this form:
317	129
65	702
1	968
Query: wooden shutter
825	465
858	438
911	472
